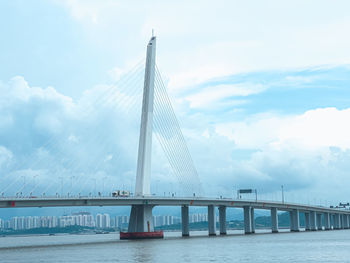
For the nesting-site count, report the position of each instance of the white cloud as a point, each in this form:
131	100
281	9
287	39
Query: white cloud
308	153
50	135
252	134
239	38
319	128
210	40
5	156
217	93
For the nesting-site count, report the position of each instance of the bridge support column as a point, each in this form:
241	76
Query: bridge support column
313	223
252	219
295	218
345	219
345	222
274	220
337	221
307	221
211	220
342	220
334	221
291	227
327	221
185	221
247	220
141	219
319	222
222	220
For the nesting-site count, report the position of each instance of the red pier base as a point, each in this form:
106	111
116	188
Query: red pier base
141	235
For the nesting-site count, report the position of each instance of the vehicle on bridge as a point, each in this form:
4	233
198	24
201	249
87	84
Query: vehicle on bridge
121	193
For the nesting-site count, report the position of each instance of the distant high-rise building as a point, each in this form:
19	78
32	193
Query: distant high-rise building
14	223
198	218
106	221
36	222
28	222
99	221
121	221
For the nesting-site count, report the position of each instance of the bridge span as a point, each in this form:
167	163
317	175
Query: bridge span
316	217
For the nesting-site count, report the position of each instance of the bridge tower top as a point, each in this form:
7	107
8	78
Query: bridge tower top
143	174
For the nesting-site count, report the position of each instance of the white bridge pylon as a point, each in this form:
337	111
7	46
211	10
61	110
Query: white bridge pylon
141	219
143	174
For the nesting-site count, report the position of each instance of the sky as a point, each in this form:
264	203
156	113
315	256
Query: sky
261	90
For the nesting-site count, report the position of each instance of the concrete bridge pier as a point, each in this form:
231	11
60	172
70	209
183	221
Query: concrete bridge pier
211	220
342	219
274	220
346	222
247	220
327	221
341	224
307	221
295	224
313	223
337	221
185	221
141	219
291	226
252	219
319	221
222	220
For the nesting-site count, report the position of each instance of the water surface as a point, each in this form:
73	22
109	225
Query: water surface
320	246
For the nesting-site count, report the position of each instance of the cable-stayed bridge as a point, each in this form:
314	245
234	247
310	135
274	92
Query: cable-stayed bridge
88	157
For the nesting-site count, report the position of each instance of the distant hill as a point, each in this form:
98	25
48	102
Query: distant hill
283	220
260	222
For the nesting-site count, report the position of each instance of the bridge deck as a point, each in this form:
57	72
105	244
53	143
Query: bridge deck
159	201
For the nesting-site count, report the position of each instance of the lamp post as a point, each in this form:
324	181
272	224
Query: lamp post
103	184
282	194
34	176
24	183
94	186
71	184
61	178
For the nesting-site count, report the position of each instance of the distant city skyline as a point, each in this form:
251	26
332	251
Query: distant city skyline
86	219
